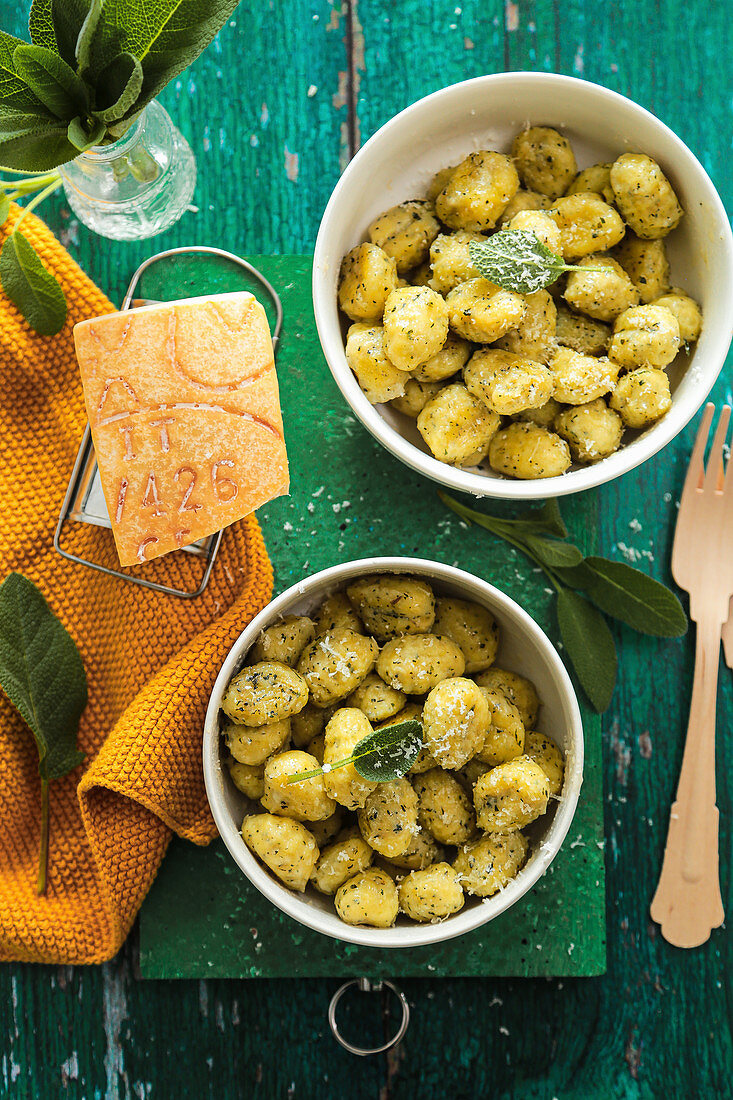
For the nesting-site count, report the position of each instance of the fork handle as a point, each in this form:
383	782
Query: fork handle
687	903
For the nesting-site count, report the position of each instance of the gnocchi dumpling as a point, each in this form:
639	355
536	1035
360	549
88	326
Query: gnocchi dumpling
507	383
450	259
336	663
283	845
642	397
405	233
285	641
368	277
388	818
587	224
601	289
455	721
471	627
534	336
518	690
345	857
416	663
646	264
451	358
527	450
248	778
415	326
377	700
686	310
431	894
263	693
346	728
336	613
545	752
644	196
390	605
444	809
307	724
369	897
307	799
423	851
482	311
582	378
487	865
583	334
477	191
645	336
457	426
596	178
252	745
541	225
544	160
593	431
504	738
511	796
416	397
377	375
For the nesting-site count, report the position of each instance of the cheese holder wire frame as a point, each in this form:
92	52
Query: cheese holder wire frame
86	461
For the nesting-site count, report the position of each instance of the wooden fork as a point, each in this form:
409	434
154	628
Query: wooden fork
687	903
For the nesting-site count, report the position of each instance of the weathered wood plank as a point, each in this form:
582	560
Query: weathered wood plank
658	1024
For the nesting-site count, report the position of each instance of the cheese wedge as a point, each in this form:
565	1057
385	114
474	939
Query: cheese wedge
183	404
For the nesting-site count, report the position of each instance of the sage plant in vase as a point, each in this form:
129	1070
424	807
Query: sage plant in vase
78	110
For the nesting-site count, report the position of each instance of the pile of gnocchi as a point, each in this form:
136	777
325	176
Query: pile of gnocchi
535	382
383	651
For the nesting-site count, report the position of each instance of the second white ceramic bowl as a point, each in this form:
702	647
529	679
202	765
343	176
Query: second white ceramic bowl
523	648
398	162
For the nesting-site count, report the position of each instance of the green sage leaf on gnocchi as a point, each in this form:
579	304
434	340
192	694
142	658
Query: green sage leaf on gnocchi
380	757
589	646
515	259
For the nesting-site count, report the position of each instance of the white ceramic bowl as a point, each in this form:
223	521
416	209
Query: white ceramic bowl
524	647
398	162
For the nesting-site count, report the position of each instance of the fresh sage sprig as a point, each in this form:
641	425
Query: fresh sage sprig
517	260
42	675
614	588
86	75
381	756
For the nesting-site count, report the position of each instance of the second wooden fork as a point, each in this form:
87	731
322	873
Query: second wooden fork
687	903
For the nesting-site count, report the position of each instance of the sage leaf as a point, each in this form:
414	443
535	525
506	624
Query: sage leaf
40	149
14	92
85	39
554	554
4	208
388	753
121	82
517	260
82	137
32	288
68	18
550	516
381	756
40	25
633	598
589	646
42	674
53	81
166	36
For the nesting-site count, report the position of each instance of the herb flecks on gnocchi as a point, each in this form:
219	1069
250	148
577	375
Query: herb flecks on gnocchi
488	373
450	829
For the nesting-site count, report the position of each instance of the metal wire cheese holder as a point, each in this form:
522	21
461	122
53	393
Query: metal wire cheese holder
364	985
85	464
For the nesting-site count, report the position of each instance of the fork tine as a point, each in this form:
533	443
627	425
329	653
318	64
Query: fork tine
695	470
714	472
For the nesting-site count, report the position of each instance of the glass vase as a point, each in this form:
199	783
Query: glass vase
137	186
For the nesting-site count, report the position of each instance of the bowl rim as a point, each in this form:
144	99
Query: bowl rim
297	906
630	456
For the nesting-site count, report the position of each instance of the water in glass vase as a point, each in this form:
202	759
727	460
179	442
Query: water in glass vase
137	186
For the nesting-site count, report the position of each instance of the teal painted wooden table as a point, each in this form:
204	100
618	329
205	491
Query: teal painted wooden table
273	111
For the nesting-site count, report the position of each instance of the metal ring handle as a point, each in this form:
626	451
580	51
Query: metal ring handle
366	986
257	275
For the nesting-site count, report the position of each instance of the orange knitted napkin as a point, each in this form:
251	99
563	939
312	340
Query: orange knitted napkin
150	661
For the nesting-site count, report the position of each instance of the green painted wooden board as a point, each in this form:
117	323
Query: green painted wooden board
658	1023
350	500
